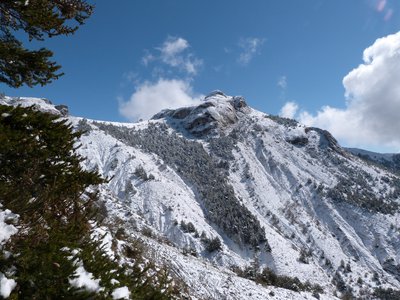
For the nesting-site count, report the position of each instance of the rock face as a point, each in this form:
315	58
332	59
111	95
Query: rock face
63	109
217	112
220	187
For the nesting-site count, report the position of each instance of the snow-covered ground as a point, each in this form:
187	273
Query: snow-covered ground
302	188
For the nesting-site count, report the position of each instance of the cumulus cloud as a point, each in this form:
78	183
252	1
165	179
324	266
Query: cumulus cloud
173	67
371	117
250	47
150	98
174	53
289	110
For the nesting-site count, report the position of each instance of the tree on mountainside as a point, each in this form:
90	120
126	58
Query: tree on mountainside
54	200
41	180
39	19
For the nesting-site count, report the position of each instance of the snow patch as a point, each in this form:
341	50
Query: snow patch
6	230
6	285
85	280
121	293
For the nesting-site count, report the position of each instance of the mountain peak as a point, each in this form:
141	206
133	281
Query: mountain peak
237	102
216	112
216	94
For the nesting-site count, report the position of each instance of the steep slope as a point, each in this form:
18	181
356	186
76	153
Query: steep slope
390	161
275	193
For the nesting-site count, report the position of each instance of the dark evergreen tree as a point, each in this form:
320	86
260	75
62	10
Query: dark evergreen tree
38	19
42	181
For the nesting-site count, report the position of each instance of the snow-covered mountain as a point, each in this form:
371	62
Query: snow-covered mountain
390	161
220	191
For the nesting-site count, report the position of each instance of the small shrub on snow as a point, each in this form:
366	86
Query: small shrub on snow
211	244
386	294
140	172
304	256
268	277
188	227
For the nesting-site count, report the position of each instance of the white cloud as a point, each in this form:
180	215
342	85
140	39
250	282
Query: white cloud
383	7
150	98
173	46
174	52
381	4
289	110
388	15
250	47
148	58
227	50
282	82
344	124
129	78
371	117
172	59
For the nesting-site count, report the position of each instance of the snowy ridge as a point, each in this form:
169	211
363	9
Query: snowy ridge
328	217
373	155
41	104
390	161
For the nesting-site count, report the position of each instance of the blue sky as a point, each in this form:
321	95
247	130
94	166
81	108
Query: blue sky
285	57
